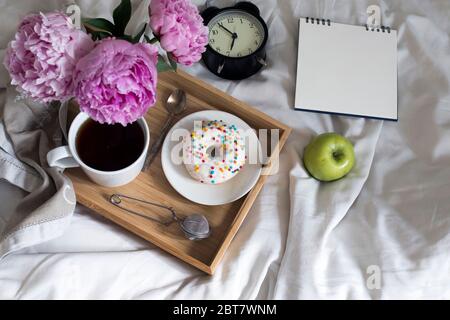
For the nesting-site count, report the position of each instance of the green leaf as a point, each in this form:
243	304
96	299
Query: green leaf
99	24
100	35
163	66
151	41
127	38
139	35
147	39
122	15
173	63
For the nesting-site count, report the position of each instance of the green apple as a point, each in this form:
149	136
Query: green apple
329	157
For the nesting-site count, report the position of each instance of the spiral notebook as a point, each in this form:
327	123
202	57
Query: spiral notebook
346	69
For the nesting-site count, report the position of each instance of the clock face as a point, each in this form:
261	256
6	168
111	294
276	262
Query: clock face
235	33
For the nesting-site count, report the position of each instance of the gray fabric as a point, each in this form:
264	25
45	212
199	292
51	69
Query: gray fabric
27	132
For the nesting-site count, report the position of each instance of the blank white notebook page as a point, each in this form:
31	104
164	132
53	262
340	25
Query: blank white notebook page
347	69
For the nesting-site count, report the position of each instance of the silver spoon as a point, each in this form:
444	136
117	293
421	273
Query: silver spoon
195	227
175	105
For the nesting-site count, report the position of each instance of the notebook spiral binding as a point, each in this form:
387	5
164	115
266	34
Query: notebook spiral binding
328	22
318	21
380	29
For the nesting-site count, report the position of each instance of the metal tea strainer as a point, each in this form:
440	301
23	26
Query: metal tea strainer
195	227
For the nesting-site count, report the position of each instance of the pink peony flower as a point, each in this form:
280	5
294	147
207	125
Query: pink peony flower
43	55
180	28
116	82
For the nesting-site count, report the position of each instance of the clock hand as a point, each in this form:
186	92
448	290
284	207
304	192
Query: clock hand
232	44
235	36
226	29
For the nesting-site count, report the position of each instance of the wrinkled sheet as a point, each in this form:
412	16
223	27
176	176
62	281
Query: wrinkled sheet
302	239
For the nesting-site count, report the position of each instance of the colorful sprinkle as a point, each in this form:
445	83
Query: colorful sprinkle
215	133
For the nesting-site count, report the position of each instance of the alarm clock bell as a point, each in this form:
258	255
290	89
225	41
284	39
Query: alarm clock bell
237	39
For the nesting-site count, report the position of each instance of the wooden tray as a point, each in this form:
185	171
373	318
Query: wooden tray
152	185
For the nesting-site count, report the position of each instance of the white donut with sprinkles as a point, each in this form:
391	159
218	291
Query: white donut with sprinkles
215	152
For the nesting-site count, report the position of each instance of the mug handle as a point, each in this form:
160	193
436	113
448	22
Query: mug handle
62	158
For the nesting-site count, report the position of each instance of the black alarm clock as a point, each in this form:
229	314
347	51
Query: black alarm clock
237	40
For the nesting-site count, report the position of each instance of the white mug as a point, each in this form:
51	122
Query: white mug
67	157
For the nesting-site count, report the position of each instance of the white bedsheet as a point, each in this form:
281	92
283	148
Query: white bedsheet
302	239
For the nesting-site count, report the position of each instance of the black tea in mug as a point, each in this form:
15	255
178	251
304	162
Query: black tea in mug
109	147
